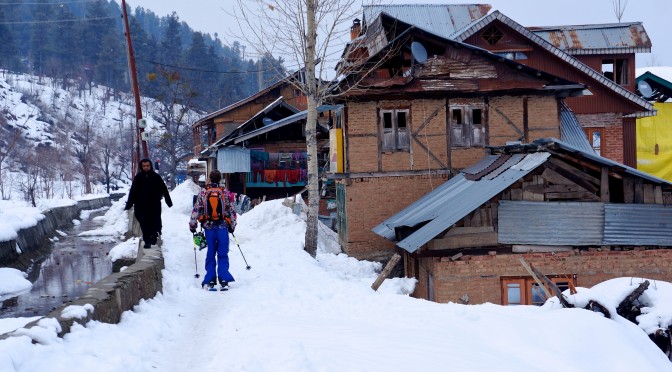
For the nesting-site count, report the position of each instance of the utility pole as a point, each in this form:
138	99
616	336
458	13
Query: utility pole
136	91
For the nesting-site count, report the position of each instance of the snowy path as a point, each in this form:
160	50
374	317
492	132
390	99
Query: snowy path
293	313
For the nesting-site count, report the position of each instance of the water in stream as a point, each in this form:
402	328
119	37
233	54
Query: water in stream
65	273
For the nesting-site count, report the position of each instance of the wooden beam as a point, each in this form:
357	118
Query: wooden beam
542	189
649	198
580	178
386	271
553	287
554	177
639	191
658	194
604	185
571	195
628	190
523	248
480	237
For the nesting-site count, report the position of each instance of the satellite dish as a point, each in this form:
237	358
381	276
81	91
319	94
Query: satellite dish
645	89
419	52
267	121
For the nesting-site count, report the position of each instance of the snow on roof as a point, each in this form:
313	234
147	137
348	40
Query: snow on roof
663	72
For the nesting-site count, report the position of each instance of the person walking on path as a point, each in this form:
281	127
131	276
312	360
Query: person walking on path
146	192
214	210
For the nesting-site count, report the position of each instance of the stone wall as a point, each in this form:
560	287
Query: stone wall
36	237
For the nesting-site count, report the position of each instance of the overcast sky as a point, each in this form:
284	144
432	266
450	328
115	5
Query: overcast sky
209	16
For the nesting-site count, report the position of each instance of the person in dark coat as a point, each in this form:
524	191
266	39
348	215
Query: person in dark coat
146	192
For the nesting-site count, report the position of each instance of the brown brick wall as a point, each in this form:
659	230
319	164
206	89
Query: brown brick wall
479	276
543	118
370	201
613	132
500	109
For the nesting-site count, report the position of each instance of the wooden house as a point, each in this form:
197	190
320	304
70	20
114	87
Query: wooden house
266	154
418	107
579	218
600	56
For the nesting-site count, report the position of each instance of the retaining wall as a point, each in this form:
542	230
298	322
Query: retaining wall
118	292
36	237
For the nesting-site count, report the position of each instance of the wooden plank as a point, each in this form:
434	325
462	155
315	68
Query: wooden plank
494	209
649	198
521	248
542	189
604	185
516	194
553	177
455	231
639	191
386	271
628	190
580	178
658	195
463	241
571	195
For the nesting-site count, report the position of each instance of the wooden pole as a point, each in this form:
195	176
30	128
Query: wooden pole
386	271
134	84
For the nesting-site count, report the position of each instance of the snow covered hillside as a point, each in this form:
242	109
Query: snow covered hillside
67	133
291	312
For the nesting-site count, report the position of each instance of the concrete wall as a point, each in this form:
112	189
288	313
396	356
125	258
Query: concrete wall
36	237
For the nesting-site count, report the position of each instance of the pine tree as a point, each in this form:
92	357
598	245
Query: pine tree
8	51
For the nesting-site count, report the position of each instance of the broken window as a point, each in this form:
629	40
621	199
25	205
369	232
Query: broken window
616	69
395	130
526	291
467	126
596	139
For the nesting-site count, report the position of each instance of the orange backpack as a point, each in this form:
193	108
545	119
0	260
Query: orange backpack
214	207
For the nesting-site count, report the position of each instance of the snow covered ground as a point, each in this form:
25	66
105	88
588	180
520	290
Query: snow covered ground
291	312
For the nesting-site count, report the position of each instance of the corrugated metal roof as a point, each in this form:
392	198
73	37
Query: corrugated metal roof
477	25
550	223
604	161
482	164
571	131
638	224
453	200
590	39
233	159
440	19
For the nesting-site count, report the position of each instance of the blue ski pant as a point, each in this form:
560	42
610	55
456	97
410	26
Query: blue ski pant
218	255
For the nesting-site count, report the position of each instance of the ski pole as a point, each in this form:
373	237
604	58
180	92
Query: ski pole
195	263
241	252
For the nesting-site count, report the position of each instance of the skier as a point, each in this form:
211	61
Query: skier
146	192
214	210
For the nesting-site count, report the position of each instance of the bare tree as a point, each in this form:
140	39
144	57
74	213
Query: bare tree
84	150
619	8
307	33
8	143
175	102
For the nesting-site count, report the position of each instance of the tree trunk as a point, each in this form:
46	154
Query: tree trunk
311	131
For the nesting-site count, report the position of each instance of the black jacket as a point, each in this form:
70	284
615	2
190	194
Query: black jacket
146	192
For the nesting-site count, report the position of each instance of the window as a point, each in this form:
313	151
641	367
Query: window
616	69
395	130
492	35
514	56
467	126
596	139
526	291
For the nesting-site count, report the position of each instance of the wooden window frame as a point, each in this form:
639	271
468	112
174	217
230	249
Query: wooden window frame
620	70
467	127
589	134
398	142
527	284
492	35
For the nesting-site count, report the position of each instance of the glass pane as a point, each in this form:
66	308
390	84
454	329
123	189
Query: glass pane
513	293
596	141
476	116
563	286
457	116
387	120
538	295
401	119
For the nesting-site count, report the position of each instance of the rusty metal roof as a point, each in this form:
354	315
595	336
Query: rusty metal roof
439	19
597	39
496	15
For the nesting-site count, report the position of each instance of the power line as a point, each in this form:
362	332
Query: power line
202	70
57	21
57	3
